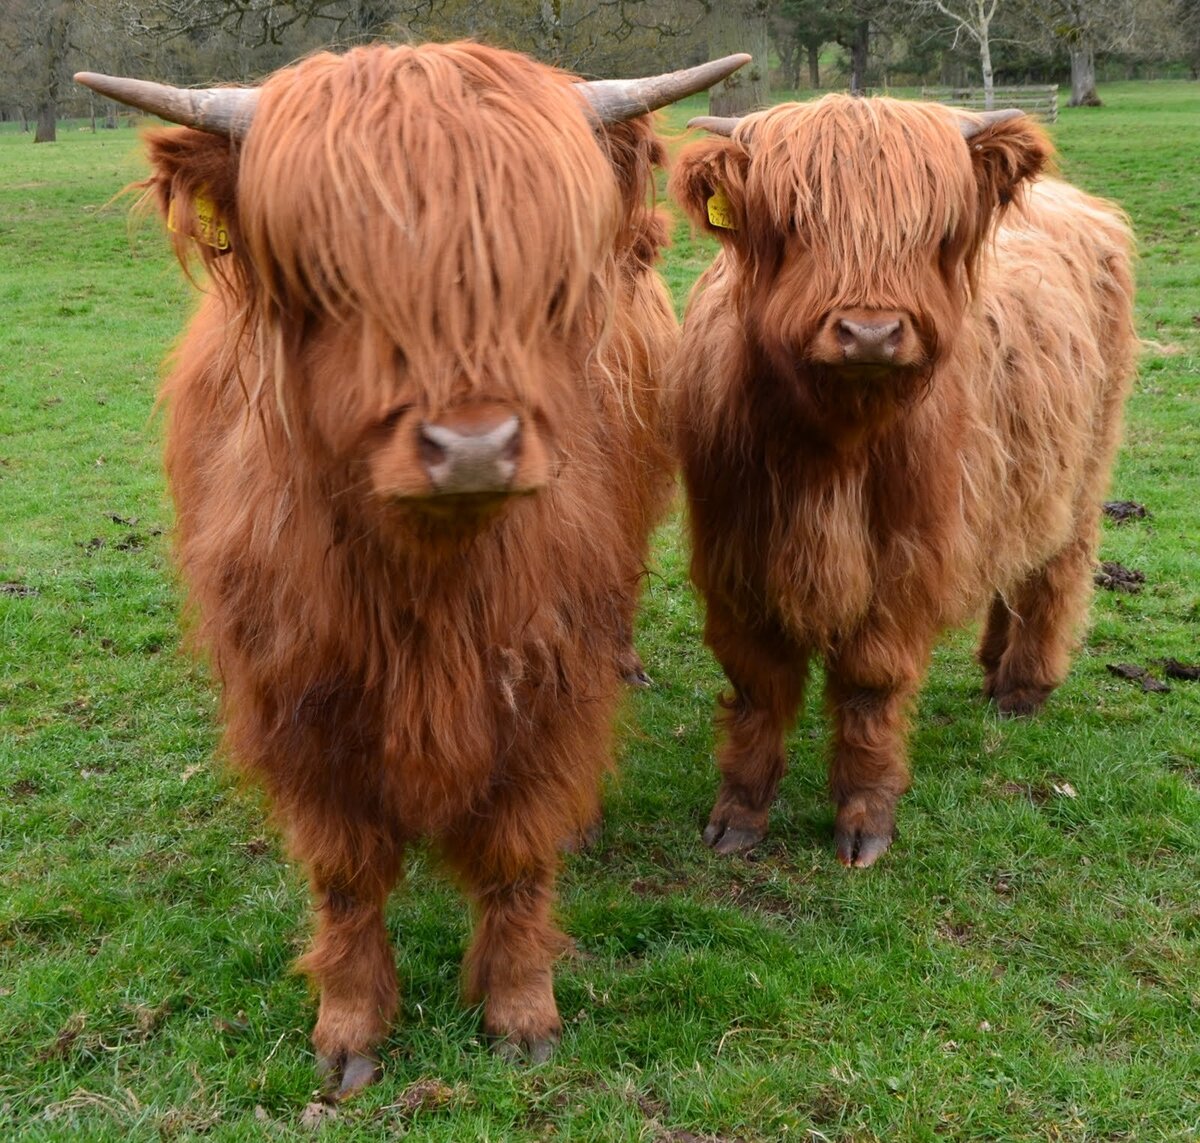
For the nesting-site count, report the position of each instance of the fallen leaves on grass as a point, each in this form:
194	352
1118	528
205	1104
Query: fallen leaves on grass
1174	669
20	590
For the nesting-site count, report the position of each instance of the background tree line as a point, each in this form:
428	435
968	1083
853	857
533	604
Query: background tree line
796	44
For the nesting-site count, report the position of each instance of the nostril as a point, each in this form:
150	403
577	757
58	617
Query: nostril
431	451
512	448
846	334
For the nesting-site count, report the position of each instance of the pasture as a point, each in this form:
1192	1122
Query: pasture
1024	964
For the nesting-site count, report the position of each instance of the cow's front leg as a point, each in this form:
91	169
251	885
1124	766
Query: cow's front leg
768	675
509	966
351	961
868	770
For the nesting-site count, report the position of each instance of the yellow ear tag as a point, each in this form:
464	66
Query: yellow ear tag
210	227
720	211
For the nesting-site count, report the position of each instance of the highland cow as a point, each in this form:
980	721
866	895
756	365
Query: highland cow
416	443
900	393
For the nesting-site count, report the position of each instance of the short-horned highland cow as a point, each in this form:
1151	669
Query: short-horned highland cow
416	440
900	393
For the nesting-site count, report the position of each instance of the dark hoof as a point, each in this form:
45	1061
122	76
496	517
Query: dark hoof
1015	700
631	668
344	1074
1022	702
725	840
864	828
858	851
534	1052
585	839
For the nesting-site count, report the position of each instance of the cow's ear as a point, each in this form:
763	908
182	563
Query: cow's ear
1004	156
709	182
193	183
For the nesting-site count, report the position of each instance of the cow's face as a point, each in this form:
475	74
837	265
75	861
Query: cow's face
424	239
856	229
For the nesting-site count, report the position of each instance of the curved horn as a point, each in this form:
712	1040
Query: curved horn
220	110
982	120
614	100
715	123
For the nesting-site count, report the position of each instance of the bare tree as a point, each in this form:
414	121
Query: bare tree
974	20
1084	28
36	39
1187	15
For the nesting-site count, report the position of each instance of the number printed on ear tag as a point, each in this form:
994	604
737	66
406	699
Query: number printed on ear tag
210	227
720	211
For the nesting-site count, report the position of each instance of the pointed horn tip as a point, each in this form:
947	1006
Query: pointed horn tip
714	123
725	66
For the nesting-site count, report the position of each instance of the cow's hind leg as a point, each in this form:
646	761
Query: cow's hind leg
351	959
768	676
1044	615
993	643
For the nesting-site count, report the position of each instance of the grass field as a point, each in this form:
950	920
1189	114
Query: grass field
1023	965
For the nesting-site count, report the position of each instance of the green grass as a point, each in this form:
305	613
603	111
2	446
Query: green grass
1024	965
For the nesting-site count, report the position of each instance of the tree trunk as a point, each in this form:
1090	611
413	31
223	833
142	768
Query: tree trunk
548	34
739	26
1083	75
789	59
54	48
859	48
47	123
814	66
985	62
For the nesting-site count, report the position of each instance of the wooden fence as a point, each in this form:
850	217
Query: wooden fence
1041	100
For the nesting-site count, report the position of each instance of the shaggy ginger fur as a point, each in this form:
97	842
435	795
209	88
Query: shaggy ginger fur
420	234
851	512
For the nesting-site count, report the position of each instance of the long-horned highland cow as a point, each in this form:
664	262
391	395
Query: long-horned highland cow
900	393
416	440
